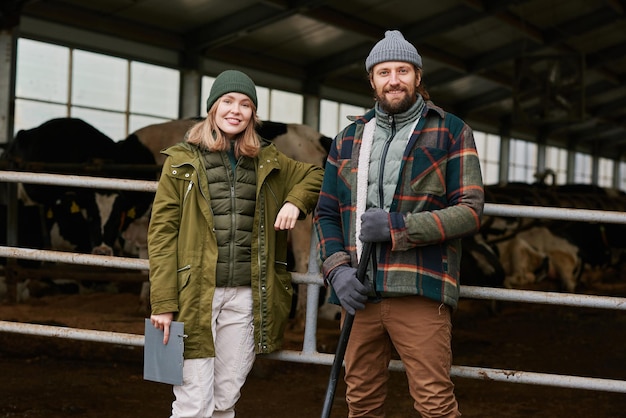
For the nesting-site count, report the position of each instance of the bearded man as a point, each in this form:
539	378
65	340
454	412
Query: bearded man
406	177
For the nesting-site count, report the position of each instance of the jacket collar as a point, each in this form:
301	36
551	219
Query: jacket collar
371	113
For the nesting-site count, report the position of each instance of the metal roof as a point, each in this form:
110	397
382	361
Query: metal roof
551	71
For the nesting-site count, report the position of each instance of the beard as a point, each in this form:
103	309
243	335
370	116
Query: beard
396	107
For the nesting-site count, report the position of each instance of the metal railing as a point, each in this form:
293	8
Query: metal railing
312	278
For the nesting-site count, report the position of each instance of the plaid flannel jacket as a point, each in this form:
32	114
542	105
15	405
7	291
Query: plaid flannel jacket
439	196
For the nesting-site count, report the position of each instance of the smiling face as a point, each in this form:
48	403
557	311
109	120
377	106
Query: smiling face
234	112
394	85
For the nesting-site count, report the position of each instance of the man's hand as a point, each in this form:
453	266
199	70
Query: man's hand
375	226
162	322
351	292
287	217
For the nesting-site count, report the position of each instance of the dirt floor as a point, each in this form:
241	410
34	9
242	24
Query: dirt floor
49	377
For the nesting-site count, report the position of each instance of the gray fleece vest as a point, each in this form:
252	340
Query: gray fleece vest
233	201
390	139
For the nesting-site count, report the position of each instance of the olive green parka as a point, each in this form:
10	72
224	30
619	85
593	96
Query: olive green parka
183	249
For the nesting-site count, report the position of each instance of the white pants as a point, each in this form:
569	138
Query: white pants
212	386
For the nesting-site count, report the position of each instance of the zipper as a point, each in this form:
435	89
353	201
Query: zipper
381	170
191	181
233	219
187	191
381	198
261	272
183	268
273	194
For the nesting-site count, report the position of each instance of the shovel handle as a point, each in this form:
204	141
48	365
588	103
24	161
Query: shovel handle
346	328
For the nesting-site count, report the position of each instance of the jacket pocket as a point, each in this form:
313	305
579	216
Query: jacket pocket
183	275
281	298
344	178
284	277
428	172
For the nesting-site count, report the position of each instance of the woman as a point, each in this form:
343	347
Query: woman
217	244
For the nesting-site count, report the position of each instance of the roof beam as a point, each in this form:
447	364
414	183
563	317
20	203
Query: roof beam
344	21
598	131
609	108
272	66
552	37
498	9
424	28
460	16
239	24
88	20
485	100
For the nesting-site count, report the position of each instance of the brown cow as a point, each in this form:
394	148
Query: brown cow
533	254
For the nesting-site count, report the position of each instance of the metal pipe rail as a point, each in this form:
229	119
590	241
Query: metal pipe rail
493	209
564	214
74	258
503	375
313	280
78	181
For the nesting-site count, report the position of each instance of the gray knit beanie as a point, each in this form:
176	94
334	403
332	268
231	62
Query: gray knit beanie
231	81
393	48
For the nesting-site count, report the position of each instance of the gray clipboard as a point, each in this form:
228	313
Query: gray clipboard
163	363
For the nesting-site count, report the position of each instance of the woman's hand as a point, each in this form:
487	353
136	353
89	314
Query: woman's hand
162	322
287	217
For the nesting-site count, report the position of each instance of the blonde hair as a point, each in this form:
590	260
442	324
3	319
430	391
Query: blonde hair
207	135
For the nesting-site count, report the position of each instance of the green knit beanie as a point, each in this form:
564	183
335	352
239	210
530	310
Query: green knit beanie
231	81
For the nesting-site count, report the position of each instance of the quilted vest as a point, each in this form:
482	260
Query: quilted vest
232	190
390	139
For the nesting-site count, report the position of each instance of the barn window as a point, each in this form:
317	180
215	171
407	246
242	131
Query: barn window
263	98
205	88
334	116
582	168
99	91
523	158
112	124
99	81
488	147
556	160
115	95
622	176
286	107
329	118
605	172
42	83
154	91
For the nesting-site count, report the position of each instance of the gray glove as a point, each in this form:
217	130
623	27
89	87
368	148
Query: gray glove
351	292
375	226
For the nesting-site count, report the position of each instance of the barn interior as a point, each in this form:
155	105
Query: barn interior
551	72
547	72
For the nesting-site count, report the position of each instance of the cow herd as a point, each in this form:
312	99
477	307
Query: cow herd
110	222
574	254
77	218
507	252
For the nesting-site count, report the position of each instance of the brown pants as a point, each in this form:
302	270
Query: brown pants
420	330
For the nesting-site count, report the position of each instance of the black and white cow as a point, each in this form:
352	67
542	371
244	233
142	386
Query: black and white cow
78	218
